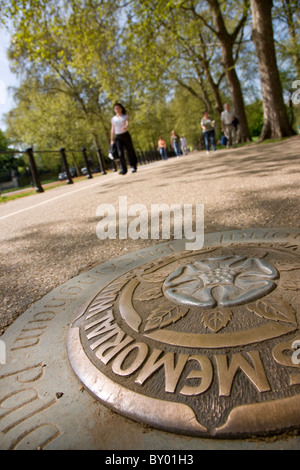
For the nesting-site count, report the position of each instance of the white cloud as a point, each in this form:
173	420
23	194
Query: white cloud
7	78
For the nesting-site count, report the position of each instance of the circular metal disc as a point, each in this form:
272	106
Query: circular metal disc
201	343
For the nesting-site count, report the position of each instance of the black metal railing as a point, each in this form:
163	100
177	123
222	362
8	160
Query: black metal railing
144	157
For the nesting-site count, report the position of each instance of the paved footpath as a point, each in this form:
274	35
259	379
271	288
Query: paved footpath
48	244
47	239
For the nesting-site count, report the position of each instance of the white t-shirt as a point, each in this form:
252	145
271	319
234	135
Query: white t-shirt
227	117
119	122
208	123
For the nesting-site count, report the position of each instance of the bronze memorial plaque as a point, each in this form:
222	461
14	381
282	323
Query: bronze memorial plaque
202	343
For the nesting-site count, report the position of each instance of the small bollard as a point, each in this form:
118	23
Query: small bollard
114	166
62	152
87	163
34	171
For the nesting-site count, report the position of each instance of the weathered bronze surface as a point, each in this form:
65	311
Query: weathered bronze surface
200	343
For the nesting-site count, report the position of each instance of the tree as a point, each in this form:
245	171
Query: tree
42	121
87	54
70	45
3	141
287	12
8	161
194	44
276	122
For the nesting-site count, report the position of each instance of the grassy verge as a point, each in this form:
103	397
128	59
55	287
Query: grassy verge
28	191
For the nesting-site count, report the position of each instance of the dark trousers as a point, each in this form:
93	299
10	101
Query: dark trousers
123	141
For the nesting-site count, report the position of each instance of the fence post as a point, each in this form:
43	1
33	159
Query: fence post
114	165
87	163
65	165
34	172
101	161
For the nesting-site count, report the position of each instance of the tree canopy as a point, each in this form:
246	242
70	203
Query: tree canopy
167	61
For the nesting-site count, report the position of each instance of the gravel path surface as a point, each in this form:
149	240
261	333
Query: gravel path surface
46	239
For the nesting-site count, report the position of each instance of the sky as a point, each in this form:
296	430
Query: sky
7	79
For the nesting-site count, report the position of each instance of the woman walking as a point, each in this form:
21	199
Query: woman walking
122	138
208	127
162	147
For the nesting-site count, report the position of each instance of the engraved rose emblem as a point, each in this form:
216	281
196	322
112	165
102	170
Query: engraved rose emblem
223	281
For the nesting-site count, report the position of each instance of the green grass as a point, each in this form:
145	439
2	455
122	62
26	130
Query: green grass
7	191
273	141
16	196
26	191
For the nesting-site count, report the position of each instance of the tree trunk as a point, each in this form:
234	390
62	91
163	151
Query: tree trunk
204	94
276	122
227	42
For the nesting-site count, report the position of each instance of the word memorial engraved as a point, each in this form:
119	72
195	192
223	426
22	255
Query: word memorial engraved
199	343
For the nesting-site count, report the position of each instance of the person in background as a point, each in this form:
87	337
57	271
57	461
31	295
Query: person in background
162	147
208	127
122	138
175	143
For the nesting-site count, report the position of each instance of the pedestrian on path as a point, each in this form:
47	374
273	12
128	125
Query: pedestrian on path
175	142
162	147
122	138
228	119
208	127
